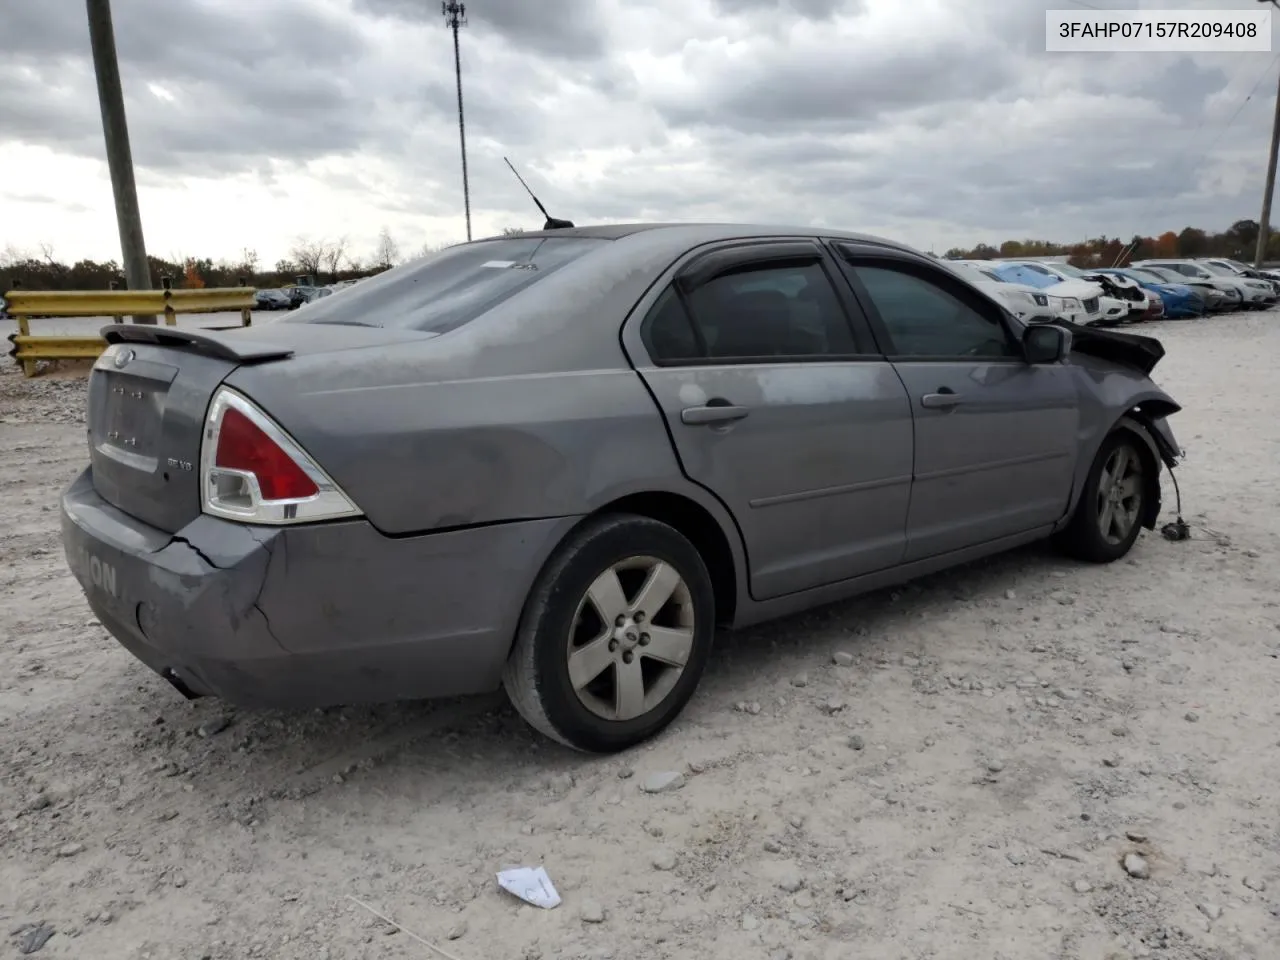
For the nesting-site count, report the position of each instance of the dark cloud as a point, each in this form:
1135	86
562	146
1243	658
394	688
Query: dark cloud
955	122
811	9
844	86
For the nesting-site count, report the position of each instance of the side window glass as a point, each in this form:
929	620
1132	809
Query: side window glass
772	311
924	320
668	333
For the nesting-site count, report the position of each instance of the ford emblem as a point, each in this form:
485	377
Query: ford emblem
123	359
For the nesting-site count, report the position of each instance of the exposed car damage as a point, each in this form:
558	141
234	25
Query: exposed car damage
1130	349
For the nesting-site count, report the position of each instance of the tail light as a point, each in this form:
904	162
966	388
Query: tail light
254	472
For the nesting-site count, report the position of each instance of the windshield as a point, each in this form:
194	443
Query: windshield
972	272
447	289
1166	275
1067	270
1030	274
1146	276
1217	269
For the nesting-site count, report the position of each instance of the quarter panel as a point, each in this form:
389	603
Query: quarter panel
420	456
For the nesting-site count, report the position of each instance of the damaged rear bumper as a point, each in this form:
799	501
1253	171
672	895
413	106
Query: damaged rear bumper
306	616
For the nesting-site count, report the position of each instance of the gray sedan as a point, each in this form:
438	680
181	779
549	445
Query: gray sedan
558	462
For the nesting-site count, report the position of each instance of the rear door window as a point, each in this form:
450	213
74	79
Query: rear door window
445	290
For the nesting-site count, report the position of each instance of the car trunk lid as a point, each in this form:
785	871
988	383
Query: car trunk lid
149	393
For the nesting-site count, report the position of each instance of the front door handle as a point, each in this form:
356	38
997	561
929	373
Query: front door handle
944	399
712	413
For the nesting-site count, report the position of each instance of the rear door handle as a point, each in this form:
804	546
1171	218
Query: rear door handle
941	400
712	413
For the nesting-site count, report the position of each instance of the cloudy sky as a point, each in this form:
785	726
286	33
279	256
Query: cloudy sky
936	122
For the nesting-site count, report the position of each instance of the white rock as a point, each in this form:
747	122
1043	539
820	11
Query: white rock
1136	866
663	782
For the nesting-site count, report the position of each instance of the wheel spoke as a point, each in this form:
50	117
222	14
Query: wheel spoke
1104	478
1119	463
658	587
629	692
669	645
607	597
1125	519
1107	518
1130	486
588	662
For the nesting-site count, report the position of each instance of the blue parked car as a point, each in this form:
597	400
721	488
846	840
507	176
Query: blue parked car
1180	301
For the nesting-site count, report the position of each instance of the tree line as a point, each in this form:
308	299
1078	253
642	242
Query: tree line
324	260
1239	242
329	260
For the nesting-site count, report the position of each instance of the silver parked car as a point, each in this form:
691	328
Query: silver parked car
558	461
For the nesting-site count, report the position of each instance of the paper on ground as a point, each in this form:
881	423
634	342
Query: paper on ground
530	884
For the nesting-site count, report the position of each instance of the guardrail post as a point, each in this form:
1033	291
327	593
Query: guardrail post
246	315
170	318
24	330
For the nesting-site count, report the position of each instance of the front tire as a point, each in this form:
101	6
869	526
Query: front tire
1108	516
615	635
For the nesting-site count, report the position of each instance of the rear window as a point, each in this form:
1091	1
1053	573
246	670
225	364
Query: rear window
449	288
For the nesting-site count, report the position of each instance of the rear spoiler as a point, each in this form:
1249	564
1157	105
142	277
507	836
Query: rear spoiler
235	349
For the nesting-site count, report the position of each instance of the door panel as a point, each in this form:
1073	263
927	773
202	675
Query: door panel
778	403
815	464
998	461
995	436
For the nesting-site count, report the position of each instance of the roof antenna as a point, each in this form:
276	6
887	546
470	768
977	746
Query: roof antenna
552	223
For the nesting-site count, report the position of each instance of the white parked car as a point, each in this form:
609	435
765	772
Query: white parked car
1028	304
1236	288
1122	299
1081	299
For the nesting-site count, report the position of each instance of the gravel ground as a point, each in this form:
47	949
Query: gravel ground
967	779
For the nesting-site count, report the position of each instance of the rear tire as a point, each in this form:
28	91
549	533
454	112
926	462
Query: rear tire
614	636
1108	516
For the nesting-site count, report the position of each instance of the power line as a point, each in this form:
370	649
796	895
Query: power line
1254	89
455	17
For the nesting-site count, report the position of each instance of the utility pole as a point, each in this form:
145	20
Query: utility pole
1265	220
119	157
455	17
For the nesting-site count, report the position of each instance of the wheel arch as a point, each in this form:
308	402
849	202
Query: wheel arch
699	525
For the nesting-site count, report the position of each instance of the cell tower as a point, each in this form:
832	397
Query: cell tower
455	18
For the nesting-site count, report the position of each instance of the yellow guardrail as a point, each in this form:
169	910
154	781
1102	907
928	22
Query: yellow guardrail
23	305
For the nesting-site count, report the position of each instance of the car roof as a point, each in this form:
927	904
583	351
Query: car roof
694	233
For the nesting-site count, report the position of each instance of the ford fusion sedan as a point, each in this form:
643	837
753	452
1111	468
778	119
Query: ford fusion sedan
558	463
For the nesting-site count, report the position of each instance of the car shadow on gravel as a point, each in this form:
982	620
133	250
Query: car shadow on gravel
294	754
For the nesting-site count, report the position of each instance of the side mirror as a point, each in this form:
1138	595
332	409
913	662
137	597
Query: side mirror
1045	343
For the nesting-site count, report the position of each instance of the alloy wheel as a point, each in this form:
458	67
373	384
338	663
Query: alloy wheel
631	638
1119	505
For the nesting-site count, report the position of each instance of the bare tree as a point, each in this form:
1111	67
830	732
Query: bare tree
428	248
249	261
387	253
47	253
309	255
334	256
11	256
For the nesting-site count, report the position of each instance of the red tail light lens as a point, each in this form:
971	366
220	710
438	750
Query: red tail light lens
243	446
252	471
